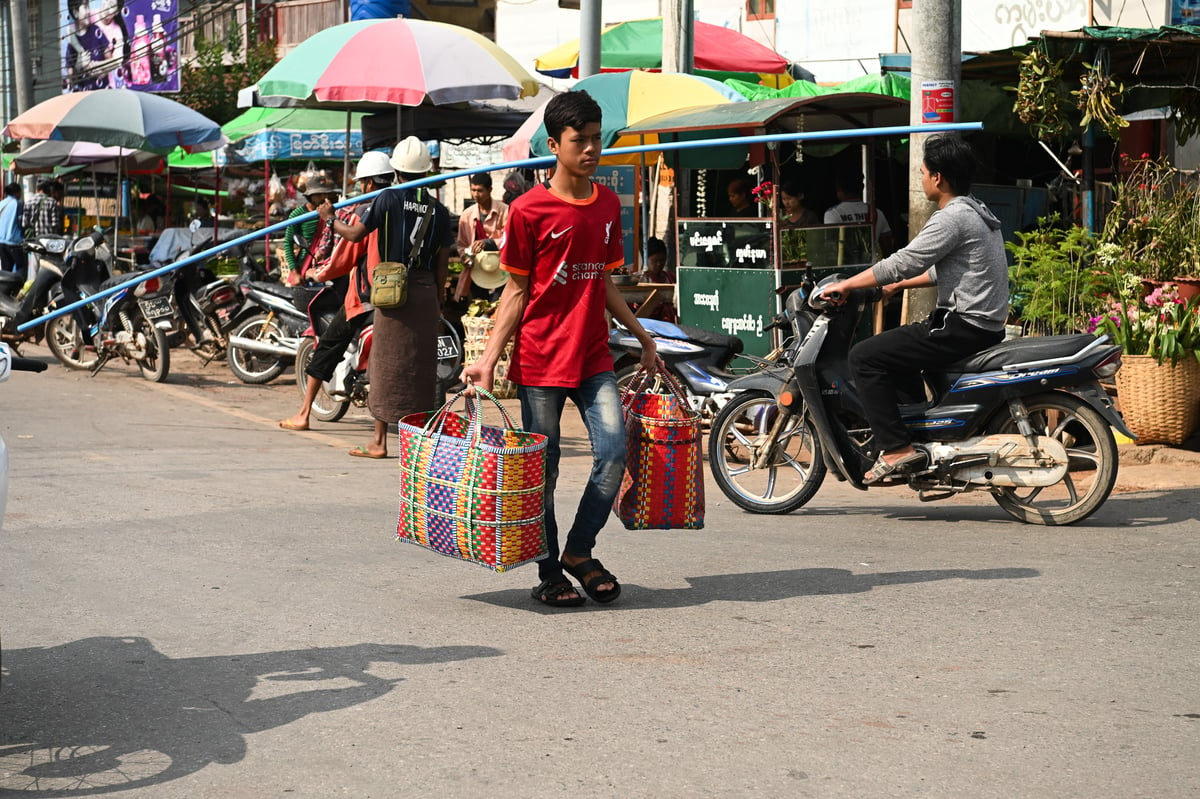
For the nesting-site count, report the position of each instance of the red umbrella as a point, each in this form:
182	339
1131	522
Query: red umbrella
638	45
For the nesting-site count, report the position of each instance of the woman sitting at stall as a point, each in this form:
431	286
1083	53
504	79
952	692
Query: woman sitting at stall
795	214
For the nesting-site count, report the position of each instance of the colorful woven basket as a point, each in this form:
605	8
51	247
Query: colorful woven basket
663	487
472	491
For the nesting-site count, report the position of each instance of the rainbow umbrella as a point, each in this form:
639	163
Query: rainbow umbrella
118	118
626	98
720	53
389	62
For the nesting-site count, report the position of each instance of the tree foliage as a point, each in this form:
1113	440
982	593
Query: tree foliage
221	69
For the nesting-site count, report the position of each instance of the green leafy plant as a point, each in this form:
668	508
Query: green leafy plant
1098	96
1154	221
1053	288
210	84
1159	323
1041	95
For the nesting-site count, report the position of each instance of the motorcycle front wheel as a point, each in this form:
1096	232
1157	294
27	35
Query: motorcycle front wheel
324	407
252	367
738	433
1091	469
65	340
157	363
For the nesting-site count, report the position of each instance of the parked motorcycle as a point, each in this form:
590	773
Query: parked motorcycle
350	384
50	255
699	359
263	343
1025	420
208	307
126	325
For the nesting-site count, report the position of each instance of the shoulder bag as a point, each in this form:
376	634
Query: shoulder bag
389	280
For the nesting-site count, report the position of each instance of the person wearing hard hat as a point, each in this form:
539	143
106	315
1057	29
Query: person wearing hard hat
357	259
403	370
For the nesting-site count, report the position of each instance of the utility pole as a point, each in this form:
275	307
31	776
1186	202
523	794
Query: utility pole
678	52
936	85
589	38
22	62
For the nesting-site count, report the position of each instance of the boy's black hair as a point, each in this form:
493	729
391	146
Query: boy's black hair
952	158
573	109
481	179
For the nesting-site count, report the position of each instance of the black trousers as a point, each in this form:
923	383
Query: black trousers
14	259
889	365
332	345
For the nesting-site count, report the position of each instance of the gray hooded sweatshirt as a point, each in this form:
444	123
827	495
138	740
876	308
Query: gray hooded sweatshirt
963	249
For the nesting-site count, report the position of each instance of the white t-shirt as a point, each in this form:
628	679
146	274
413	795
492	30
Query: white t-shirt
853	212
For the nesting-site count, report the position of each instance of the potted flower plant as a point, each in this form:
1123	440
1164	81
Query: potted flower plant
1158	384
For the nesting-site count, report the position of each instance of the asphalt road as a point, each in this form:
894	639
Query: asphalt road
194	603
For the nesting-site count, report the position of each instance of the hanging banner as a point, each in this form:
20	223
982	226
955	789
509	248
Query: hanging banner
119	44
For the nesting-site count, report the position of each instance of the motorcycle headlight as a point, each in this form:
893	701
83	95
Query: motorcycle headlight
83	246
54	246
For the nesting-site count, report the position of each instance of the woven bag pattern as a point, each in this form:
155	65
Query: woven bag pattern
1160	402
663	486
472	491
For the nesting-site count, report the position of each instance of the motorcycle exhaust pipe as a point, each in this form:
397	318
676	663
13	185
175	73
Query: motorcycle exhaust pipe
262	347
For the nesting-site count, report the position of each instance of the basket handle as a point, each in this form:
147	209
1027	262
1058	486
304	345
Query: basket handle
474	411
662	377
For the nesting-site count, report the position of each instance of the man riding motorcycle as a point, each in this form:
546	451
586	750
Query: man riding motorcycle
961	251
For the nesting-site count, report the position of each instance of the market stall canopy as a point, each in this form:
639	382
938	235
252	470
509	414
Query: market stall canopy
390	62
625	98
45	156
118	118
720	53
979	101
839	111
279	134
477	121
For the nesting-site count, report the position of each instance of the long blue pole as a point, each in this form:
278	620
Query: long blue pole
895	130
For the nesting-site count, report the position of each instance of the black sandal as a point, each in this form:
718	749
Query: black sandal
602	576
553	592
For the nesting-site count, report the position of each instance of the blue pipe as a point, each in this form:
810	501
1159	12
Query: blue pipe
895	130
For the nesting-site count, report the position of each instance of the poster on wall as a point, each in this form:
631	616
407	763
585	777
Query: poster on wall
120	44
1185	12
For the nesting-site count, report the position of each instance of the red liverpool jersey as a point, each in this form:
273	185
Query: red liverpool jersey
564	246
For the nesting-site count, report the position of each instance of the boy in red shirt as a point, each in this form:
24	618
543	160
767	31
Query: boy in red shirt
562	241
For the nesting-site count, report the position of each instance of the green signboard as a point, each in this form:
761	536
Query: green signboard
737	302
734	243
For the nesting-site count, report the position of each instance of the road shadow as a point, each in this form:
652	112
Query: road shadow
105	714
757	587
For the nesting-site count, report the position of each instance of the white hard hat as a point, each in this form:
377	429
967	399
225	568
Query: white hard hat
373	165
411	156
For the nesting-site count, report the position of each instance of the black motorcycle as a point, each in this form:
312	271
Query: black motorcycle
1025	420
127	325
209	308
268	338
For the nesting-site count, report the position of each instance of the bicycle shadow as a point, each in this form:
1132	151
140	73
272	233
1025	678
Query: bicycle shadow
757	587
107	714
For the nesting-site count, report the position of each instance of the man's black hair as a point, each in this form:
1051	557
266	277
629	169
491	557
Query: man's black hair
850	183
481	179
953	159
45	184
12	190
574	109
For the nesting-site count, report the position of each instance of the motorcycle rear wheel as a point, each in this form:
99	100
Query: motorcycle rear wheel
252	367
65	340
157	363
793	477
324	407
1092	462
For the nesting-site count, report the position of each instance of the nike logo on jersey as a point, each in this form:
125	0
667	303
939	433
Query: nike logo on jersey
554	235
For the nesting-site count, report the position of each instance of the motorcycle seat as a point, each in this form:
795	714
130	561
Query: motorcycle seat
706	338
1021	350
278	289
11	282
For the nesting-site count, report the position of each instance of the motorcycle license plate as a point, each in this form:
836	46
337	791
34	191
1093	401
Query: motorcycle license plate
447	348
156	307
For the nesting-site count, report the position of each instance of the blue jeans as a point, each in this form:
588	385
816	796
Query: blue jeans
599	405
